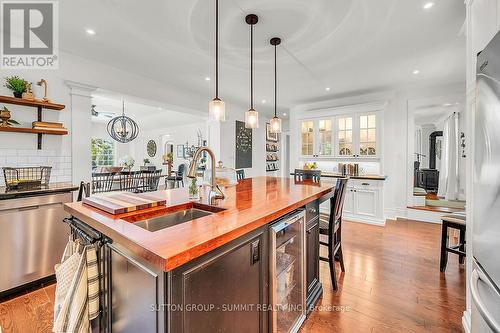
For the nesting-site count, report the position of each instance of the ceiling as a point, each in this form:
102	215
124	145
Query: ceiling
347	46
148	117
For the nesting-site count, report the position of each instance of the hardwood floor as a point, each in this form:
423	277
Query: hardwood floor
392	283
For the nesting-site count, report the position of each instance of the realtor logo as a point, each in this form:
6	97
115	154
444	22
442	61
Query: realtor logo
29	33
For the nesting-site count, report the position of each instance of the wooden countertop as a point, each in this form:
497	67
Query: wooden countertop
42	190
251	204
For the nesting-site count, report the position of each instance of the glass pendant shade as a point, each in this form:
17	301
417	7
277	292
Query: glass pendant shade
275	125
217	110
251	119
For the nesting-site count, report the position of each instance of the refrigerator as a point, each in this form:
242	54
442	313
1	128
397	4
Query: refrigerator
485	278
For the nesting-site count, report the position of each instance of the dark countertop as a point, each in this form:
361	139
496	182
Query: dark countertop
338	175
50	189
249	205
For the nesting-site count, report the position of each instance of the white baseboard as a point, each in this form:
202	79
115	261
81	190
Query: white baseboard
424	215
394	213
466	322
365	220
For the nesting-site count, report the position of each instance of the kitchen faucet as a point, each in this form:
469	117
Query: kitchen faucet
215	191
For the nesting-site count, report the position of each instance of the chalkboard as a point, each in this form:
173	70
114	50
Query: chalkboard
243	146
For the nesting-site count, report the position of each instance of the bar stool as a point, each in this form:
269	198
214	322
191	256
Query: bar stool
454	221
331	226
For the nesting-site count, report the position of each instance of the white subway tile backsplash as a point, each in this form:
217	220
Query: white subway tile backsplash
27	152
59	161
8	152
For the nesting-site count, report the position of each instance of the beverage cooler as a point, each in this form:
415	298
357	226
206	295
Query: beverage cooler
287	273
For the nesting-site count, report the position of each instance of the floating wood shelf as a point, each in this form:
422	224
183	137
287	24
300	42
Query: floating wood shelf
25	102
32	130
39	105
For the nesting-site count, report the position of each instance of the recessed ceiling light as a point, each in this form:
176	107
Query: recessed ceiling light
416	71
447	104
327	88
207	79
264	101
159	108
90	32
284	114
428	5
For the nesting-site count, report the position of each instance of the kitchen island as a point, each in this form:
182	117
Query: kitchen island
208	273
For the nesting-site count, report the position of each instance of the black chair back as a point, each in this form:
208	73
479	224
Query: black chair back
240	174
314	175
337	201
83	190
102	182
150	180
181	170
130	181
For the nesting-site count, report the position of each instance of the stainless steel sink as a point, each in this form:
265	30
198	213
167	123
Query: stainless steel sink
177	217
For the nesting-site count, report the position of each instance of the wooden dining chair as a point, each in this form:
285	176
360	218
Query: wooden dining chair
150	180
314	175
83	190
331	225
240	174
102	182
130	181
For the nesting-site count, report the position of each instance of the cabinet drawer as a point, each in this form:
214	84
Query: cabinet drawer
365	183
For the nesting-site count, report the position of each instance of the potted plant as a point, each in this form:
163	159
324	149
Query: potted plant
169	161
5	116
194	191
127	162
146	161
16	84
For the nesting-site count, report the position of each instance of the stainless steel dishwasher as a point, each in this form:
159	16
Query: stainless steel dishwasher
32	239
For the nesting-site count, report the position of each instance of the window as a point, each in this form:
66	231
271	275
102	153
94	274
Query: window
368	135
325	137
103	153
345	136
307	138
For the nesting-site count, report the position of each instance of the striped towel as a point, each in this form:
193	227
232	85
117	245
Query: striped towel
81	297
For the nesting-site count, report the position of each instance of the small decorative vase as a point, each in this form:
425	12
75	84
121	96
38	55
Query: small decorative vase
18	94
5	116
38	92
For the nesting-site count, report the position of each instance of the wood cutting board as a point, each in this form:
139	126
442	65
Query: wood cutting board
122	202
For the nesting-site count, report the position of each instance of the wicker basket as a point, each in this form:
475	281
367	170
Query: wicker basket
28	177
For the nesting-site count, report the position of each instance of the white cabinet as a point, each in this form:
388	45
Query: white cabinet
366	202
349	201
363	201
316	137
353	135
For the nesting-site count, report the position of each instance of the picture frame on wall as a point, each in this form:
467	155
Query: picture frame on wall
180	151
269	135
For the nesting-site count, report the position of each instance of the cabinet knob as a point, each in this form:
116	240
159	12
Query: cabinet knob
365	184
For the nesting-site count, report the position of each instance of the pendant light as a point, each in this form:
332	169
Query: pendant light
276	121
122	128
251	116
216	107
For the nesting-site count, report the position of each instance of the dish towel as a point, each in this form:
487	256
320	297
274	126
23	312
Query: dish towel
77	290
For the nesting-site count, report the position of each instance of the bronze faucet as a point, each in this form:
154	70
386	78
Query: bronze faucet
215	192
